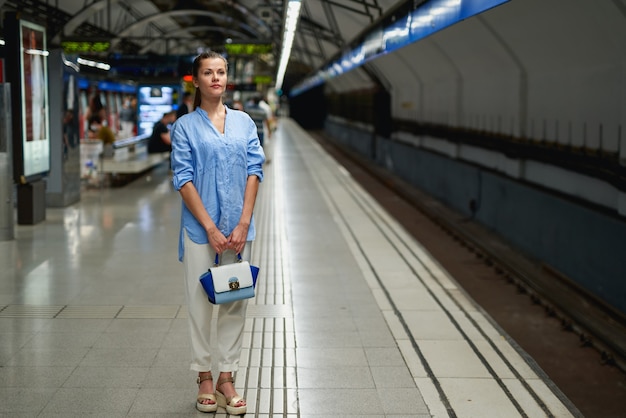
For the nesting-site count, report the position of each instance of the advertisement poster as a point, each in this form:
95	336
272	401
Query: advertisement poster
34	82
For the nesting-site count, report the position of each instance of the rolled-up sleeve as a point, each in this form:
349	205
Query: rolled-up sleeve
181	156
256	157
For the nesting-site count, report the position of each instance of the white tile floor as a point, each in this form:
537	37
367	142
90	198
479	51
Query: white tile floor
352	317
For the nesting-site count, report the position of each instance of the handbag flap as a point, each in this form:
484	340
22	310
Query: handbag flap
233	276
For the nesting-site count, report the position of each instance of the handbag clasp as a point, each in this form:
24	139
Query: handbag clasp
233	283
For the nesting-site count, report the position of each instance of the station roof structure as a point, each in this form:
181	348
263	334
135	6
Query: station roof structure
162	28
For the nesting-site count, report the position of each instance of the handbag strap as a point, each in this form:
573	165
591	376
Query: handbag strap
216	262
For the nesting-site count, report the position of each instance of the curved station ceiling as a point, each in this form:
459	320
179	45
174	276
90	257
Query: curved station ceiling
104	29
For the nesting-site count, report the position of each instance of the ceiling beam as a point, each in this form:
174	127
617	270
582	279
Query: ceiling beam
173	13
176	35
82	16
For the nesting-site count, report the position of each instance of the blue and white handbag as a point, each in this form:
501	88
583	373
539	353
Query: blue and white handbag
229	282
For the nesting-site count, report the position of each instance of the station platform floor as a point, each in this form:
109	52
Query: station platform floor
352	318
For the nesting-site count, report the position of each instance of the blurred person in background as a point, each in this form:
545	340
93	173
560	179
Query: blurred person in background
237	103
99	130
160	140
127	119
259	116
186	106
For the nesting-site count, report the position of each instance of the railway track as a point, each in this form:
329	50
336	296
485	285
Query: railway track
576	339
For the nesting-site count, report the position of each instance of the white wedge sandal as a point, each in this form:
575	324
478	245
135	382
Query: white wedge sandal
229	403
206	407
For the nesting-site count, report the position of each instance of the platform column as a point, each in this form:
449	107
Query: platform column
7	223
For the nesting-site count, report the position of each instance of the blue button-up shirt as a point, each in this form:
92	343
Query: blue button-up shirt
218	165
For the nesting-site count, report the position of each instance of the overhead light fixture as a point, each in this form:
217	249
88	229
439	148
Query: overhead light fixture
69	63
36	52
291	21
90	63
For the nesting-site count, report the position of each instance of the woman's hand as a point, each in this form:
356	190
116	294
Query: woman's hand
237	239
217	240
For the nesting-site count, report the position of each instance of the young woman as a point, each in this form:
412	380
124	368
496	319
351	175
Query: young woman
217	167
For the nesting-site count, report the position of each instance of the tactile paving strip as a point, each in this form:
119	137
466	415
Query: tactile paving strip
30	311
149	312
90	312
269	311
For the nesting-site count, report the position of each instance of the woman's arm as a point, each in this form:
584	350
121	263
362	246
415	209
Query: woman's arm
192	200
238	237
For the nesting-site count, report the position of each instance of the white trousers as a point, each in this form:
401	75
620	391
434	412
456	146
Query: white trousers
221	346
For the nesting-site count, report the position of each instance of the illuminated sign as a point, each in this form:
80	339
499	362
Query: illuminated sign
76	47
248	49
262	79
430	17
